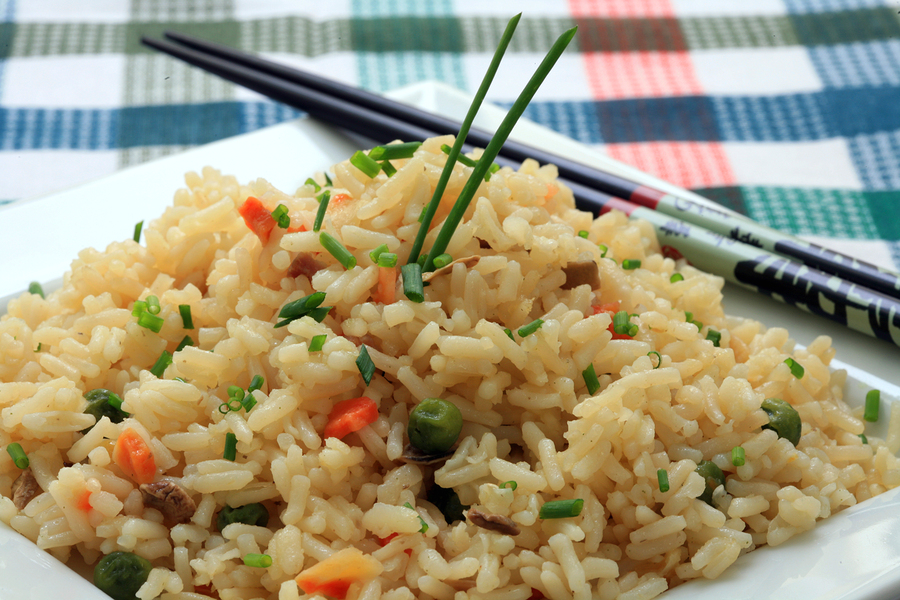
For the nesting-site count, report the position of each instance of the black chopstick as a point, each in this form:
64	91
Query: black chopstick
809	289
722	222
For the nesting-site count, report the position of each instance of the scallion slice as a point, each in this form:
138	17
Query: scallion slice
153	305
715	337
301	306
318	314
530	328
320	214
187	320
230	447
139	308
442	261
312	182
431	207
365	365
281	216
583	234
115	401
622	324
797	369
413	287
137	231
151	322
164	360
662	477
394	151
422	522
676	277
364	163
561	509
864	439
658	358
603	250
387	260
328	181
389	169
374	254
337	250
508	333
508	484
235	392
185	341
35	288
317	342
591	380
738	457
630	263
256	383
248	402
18	455
873	404
261	561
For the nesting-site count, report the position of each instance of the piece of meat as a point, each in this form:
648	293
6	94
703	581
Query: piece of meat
24	488
469	261
168	498
580	273
498	523
304	264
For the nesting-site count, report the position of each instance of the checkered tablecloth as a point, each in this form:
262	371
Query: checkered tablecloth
787	110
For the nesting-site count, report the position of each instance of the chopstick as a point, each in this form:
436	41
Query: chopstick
722	221
748	265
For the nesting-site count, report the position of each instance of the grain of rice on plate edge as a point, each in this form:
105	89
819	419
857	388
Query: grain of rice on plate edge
668	399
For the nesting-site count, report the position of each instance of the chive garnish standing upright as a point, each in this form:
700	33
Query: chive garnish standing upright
873	404
394	151
797	369
337	250
561	509
662	477
365	164
413	287
462	158
527	330
431	207
230	447
320	214
187	321
591	380
164	360
137	231
365	365
18	455
493	148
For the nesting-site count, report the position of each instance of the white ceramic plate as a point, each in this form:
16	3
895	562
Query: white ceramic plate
854	555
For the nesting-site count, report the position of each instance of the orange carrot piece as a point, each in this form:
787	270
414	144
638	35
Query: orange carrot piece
350	415
386	291
611	309
83	500
134	457
258	218
333	576
338	199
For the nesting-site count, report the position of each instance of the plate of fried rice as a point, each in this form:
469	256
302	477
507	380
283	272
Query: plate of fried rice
235	407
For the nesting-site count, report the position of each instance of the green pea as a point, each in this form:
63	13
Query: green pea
249	514
121	574
783	419
104	403
434	425
447	501
713	476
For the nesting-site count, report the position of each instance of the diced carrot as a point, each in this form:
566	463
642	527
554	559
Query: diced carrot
350	415
333	576
83	501
338	199
387	540
611	309
258	218
551	191
386	291
134	457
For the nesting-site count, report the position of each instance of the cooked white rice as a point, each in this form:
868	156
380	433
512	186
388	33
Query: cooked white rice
528	415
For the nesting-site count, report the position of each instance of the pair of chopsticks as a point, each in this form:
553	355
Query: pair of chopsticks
856	294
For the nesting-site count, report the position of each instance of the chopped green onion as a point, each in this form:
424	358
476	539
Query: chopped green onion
262	561
281	216
39	347
864	439
320	214
186	320
662	476
316	343
312	182
137	230
583	234
185	341
413	287
365	365
337	250
631	263
35	288
422	522
181	379
442	261
365	164
873	402
591	380
236	392
389	169
688	316
224	409
318	314
508	332
797	369
18	455
603	250
234	404
493	148
561	509
658	358
462	158
256	383
151	322
387	260
230	447
328	181
508	484
676	277
530	328
394	151
622	324
164	360
248	402
431	207
374	254
715	337
153	305
301	306
738	458
139	308
114	400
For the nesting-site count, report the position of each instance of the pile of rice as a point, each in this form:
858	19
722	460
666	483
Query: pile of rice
528	415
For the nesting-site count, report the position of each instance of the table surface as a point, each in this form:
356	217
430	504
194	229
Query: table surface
785	110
